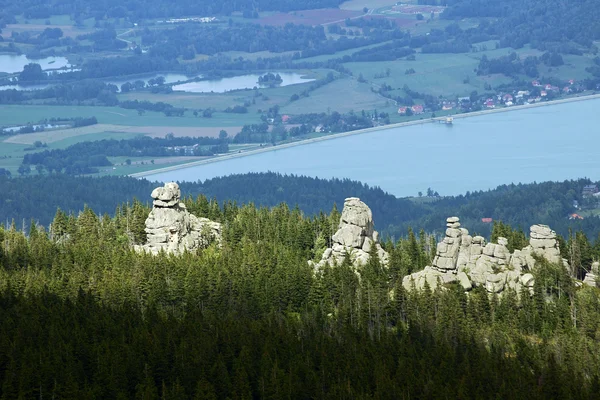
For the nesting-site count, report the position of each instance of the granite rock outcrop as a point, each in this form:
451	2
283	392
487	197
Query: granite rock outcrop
470	261
171	228
592	278
355	237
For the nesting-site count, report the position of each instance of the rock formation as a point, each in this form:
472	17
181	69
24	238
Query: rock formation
591	278
355	236
470	261
170	227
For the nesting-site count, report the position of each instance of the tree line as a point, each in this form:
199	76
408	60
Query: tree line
85	157
519	205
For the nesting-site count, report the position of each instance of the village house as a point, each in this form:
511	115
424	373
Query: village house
402	110
448	105
417	109
507	98
536	83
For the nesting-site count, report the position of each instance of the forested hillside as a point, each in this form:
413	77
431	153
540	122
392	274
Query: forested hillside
154	9
551	203
84	316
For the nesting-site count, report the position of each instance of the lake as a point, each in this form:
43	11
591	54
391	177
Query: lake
237	83
12	64
556	142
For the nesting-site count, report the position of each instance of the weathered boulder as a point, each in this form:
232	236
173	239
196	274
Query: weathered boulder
355	237
171	228
543	243
349	236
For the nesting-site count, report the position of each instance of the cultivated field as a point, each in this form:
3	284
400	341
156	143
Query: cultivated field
440	74
342	95
12	115
84	133
309	17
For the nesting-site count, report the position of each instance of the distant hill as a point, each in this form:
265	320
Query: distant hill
522	205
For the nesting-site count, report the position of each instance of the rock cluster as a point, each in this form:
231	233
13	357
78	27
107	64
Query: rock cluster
355	236
470	261
170	227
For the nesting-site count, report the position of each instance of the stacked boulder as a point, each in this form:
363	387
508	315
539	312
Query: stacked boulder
355	237
171	228
470	261
543	243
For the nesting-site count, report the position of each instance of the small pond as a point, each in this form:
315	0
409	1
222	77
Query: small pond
11	64
237	83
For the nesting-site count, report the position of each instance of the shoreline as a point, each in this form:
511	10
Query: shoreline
359	132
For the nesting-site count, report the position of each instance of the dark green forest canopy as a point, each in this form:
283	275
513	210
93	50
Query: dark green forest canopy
84	316
543	23
38	197
154	8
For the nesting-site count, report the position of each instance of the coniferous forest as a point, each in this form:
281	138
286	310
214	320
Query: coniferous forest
84	316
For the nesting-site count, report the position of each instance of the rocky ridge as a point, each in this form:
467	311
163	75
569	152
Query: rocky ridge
355	236
171	228
470	261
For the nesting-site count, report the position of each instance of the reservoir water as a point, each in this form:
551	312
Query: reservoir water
237	83
556	142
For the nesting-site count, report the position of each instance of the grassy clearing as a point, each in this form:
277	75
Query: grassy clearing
339	54
11	115
342	95
436	74
141	164
358	5
574	68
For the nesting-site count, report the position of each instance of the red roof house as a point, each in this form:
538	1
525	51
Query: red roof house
417	109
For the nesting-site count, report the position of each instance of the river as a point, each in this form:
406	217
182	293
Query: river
555	142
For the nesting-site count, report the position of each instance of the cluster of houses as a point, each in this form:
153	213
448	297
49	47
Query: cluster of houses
415	110
202	20
538	92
